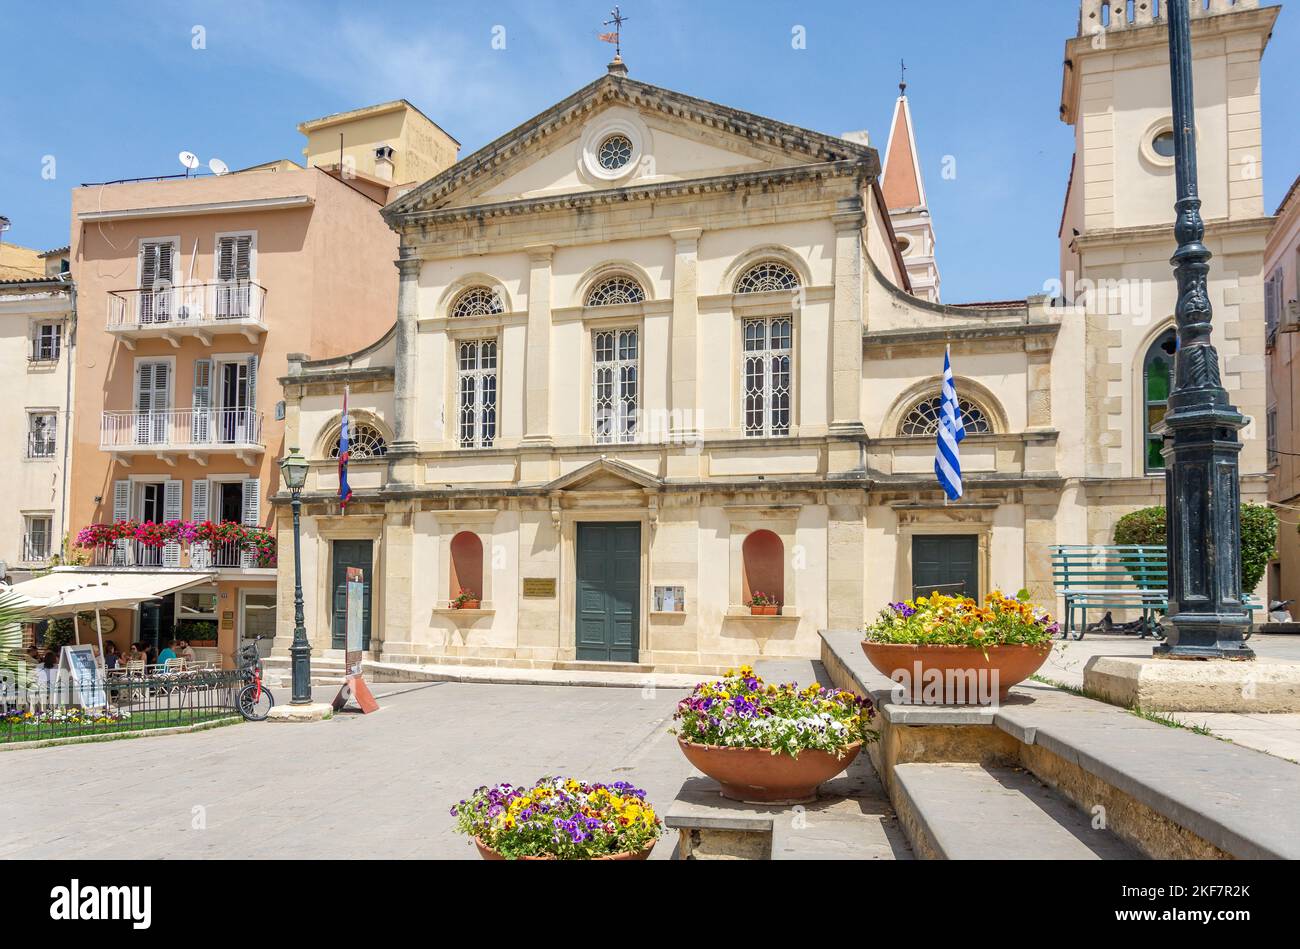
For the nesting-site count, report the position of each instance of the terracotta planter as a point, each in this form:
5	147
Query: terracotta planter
206	643
487	853
756	776
764	610
964	674
467	605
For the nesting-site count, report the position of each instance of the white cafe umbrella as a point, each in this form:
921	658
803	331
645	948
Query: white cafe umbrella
96	596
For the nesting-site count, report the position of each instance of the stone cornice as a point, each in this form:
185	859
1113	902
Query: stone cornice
884	339
685	188
327	377
1164	233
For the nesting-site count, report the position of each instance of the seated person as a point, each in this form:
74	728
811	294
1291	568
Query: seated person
184	650
167	653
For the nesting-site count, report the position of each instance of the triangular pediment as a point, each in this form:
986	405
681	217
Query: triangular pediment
605	474
676	138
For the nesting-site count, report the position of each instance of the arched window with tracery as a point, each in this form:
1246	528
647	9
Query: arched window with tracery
763	563
466	566
364	441
613	291
1157	380
922	419
477	301
767	275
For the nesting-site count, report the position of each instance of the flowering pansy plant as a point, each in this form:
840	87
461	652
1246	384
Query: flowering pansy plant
561	818
941	620
743	711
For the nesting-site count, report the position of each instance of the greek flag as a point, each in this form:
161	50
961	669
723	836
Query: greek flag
345	455
947	459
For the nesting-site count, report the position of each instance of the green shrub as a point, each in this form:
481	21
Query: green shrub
1258	537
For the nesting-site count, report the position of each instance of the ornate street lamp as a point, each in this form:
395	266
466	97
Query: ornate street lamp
1202	491
294	471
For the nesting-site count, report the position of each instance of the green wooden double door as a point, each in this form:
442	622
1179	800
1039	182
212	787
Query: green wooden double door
350	553
948	563
609	591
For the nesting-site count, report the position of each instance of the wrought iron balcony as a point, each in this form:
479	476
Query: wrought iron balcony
198	432
132	553
203	310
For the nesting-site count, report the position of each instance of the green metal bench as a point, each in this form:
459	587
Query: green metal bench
1091	577
1132	577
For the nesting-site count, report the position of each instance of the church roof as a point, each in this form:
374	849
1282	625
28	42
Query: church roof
902	183
616	88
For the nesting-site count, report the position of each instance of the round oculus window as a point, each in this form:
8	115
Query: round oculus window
615	152
1163	144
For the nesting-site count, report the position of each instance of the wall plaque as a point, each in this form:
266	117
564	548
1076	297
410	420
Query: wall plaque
539	586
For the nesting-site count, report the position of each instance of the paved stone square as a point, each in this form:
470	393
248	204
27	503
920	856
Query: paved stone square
355	786
1275	734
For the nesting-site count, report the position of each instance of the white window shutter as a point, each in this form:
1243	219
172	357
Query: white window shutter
171	555
201	419
252	515
148	265
200	554
121	512
252	383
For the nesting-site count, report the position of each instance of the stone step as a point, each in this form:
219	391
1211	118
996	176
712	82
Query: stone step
974	812
850	820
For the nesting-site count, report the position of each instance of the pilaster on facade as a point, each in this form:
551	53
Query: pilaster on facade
847	321
537	362
684	355
406	402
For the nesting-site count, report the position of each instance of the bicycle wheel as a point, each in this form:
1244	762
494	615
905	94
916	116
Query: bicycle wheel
255	710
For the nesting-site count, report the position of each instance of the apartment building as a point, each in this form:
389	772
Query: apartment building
36	307
192	291
1282	335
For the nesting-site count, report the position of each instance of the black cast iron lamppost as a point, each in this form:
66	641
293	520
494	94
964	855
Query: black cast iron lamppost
294	470
1202	491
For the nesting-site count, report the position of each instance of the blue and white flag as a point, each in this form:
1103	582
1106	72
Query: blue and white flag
345	455
947	459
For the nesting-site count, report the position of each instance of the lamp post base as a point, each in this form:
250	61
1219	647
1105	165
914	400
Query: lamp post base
312	712
1212	639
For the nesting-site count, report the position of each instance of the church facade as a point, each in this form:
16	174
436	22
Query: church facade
656	360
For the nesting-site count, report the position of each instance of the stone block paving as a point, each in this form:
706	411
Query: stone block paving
355	786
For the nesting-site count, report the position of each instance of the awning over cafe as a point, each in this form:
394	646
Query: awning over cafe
41	593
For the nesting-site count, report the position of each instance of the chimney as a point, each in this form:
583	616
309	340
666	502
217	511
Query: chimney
384	162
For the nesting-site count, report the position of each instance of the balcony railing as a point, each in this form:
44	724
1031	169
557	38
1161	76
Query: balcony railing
236	305
182	430
131	553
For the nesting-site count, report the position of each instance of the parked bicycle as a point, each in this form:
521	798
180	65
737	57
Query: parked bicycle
255	699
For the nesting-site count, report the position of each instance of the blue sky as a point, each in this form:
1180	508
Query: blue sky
116	90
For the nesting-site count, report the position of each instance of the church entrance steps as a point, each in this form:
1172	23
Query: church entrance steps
387	671
1169	793
973	812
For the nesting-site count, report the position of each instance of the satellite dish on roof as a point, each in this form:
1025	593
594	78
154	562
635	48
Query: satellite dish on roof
218	167
189	160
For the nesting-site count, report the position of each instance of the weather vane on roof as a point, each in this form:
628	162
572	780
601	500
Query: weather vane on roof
617	19
902	77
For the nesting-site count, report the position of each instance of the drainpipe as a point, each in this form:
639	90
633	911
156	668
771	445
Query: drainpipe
67	414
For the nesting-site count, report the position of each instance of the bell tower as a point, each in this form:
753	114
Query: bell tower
1116	234
904	190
